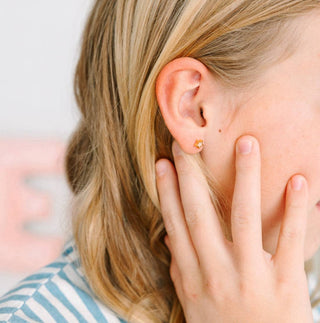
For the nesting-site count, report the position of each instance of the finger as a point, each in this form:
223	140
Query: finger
290	248
200	216
175	273
186	287
180	243
246	203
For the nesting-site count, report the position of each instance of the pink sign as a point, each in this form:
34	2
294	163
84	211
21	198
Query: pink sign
20	250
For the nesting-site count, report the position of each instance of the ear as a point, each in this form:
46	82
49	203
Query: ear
182	89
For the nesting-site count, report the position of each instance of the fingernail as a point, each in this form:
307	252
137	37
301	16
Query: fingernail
296	183
161	168
176	149
244	146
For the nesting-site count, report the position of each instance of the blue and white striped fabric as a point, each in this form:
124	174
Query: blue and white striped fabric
57	293
313	278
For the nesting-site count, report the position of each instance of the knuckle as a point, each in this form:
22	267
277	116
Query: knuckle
212	286
189	288
283	282
291	233
247	290
167	217
194	213
242	219
170	228
296	205
215	287
182	165
246	166
191	219
218	292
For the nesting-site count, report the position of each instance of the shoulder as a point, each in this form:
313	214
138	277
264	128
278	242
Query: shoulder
57	292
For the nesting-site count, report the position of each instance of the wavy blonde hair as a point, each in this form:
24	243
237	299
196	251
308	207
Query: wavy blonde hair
110	160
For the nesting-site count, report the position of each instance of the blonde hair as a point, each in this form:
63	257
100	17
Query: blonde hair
110	161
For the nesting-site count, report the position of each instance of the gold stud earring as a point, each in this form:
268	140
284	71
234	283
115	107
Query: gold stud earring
198	143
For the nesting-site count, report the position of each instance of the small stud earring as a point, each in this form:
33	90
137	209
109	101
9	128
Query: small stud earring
198	143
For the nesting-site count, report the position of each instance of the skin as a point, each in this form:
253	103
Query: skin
221	281
273	188
281	111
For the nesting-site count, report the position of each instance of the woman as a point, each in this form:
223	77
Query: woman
212	75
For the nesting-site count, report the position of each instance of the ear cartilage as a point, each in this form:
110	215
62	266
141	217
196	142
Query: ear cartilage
198	143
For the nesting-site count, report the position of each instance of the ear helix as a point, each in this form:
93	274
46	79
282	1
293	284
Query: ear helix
198	143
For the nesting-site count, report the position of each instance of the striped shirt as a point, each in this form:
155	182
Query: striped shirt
313	278
57	293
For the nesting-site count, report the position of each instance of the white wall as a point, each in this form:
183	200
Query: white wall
39	47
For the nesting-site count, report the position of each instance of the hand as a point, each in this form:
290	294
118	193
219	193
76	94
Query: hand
221	281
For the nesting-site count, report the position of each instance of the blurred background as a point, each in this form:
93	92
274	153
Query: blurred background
40	43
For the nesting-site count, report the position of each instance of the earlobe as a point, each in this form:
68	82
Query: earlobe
178	91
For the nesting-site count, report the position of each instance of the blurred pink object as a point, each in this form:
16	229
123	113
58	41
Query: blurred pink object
20	250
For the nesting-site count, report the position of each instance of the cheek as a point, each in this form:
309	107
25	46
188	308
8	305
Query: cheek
273	187
284	154
280	160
